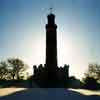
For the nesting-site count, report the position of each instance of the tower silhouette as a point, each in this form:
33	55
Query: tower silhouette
50	75
51	46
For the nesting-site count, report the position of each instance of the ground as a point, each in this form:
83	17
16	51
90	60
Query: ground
47	94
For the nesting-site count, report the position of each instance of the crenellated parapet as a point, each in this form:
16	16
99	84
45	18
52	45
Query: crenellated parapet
40	72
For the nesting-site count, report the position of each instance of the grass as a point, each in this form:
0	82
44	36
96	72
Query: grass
87	92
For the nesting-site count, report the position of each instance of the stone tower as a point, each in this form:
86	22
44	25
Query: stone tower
50	75
51	46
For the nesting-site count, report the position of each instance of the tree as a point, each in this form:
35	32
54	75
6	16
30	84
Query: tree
91	83
17	67
92	76
3	70
93	71
12	68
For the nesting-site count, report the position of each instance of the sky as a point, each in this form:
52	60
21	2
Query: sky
23	34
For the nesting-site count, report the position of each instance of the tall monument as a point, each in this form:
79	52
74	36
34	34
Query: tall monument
51	75
51	46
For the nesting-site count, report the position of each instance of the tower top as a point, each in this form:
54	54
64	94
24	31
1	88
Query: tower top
51	10
51	17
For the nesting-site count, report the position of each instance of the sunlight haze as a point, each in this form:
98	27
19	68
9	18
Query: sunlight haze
22	32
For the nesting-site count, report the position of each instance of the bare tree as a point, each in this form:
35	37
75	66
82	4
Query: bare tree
3	70
17	66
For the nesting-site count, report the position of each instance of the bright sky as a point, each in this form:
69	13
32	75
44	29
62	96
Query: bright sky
22	31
